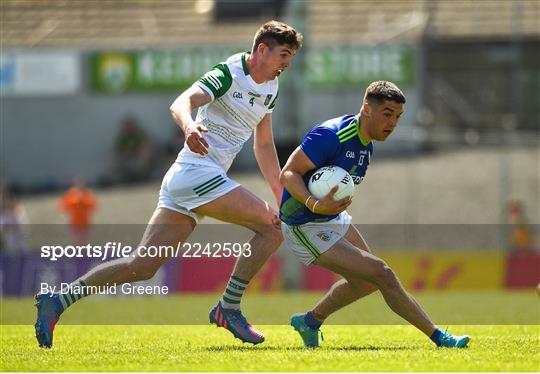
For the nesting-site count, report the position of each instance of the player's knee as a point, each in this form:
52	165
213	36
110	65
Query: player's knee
269	231
275	237
384	276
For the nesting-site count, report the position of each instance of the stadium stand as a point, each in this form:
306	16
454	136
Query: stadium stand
126	24
162	23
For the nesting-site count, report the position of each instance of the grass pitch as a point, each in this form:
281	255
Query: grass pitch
203	347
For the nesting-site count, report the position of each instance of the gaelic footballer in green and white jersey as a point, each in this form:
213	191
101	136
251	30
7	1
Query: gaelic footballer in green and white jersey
238	105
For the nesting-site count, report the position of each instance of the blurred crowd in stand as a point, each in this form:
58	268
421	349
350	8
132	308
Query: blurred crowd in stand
136	157
521	238
13	222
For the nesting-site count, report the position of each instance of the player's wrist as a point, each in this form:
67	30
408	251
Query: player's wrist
191	124
314	205
310	200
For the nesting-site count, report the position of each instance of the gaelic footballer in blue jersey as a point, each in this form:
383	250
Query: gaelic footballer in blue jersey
319	231
334	142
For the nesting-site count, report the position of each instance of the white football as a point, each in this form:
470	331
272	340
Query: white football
325	178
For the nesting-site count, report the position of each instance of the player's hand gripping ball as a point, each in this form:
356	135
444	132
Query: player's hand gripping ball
325	178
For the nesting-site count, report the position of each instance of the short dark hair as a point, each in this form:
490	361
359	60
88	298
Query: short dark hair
273	33
380	91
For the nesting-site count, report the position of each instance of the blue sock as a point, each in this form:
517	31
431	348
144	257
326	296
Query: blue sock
435	337
312	322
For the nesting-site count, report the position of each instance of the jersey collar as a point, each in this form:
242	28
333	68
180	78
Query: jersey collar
244	63
362	140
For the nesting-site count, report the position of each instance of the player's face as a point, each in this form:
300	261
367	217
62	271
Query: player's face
384	119
277	59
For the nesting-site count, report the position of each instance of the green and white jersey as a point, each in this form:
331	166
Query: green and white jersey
238	105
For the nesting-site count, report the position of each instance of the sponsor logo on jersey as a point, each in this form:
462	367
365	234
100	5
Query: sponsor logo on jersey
349	154
237	95
268	98
254	94
357	179
323	236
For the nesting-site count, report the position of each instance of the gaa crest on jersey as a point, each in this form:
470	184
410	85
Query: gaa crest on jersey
268	98
323	236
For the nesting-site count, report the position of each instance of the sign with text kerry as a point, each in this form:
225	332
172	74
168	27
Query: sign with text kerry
341	66
175	70
144	71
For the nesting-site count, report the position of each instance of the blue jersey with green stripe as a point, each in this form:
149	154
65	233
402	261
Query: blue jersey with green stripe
334	142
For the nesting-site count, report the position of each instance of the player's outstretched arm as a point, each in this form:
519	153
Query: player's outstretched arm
291	177
266	155
191	99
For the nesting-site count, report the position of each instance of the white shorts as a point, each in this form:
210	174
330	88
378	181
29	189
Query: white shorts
188	186
310	240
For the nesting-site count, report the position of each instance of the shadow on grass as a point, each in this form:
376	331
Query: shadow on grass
367	348
270	348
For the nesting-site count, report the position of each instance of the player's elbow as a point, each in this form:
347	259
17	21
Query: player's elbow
284	177
173	108
281	176
178	104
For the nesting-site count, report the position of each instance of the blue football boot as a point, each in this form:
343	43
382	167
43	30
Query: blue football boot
49	309
309	336
235	322
451	341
